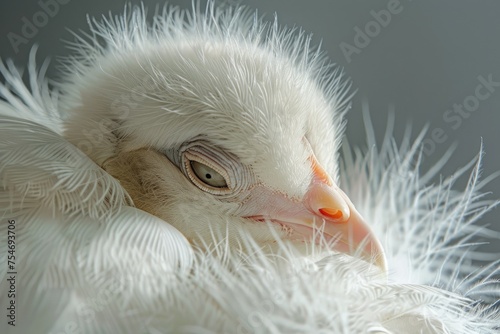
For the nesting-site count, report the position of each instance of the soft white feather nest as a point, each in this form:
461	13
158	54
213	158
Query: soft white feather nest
89	263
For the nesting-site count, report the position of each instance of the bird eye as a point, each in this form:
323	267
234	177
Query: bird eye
208	175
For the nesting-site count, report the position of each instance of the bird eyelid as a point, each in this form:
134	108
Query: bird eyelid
190	156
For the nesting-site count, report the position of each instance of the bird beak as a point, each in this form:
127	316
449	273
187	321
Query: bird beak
329	205
333	213
325	207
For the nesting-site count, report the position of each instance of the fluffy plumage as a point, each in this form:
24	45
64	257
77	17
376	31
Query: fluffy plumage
89	260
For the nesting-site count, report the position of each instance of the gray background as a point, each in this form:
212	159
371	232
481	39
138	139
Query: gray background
426	59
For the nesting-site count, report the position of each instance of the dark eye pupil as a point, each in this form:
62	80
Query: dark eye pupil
208	176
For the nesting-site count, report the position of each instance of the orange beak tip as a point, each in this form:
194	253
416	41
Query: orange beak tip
331	213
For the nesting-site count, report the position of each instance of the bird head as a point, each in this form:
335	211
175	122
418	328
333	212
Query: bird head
211	130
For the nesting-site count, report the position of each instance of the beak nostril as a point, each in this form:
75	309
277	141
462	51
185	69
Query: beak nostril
331	213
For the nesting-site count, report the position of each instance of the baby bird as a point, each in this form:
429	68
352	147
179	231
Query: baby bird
152	189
